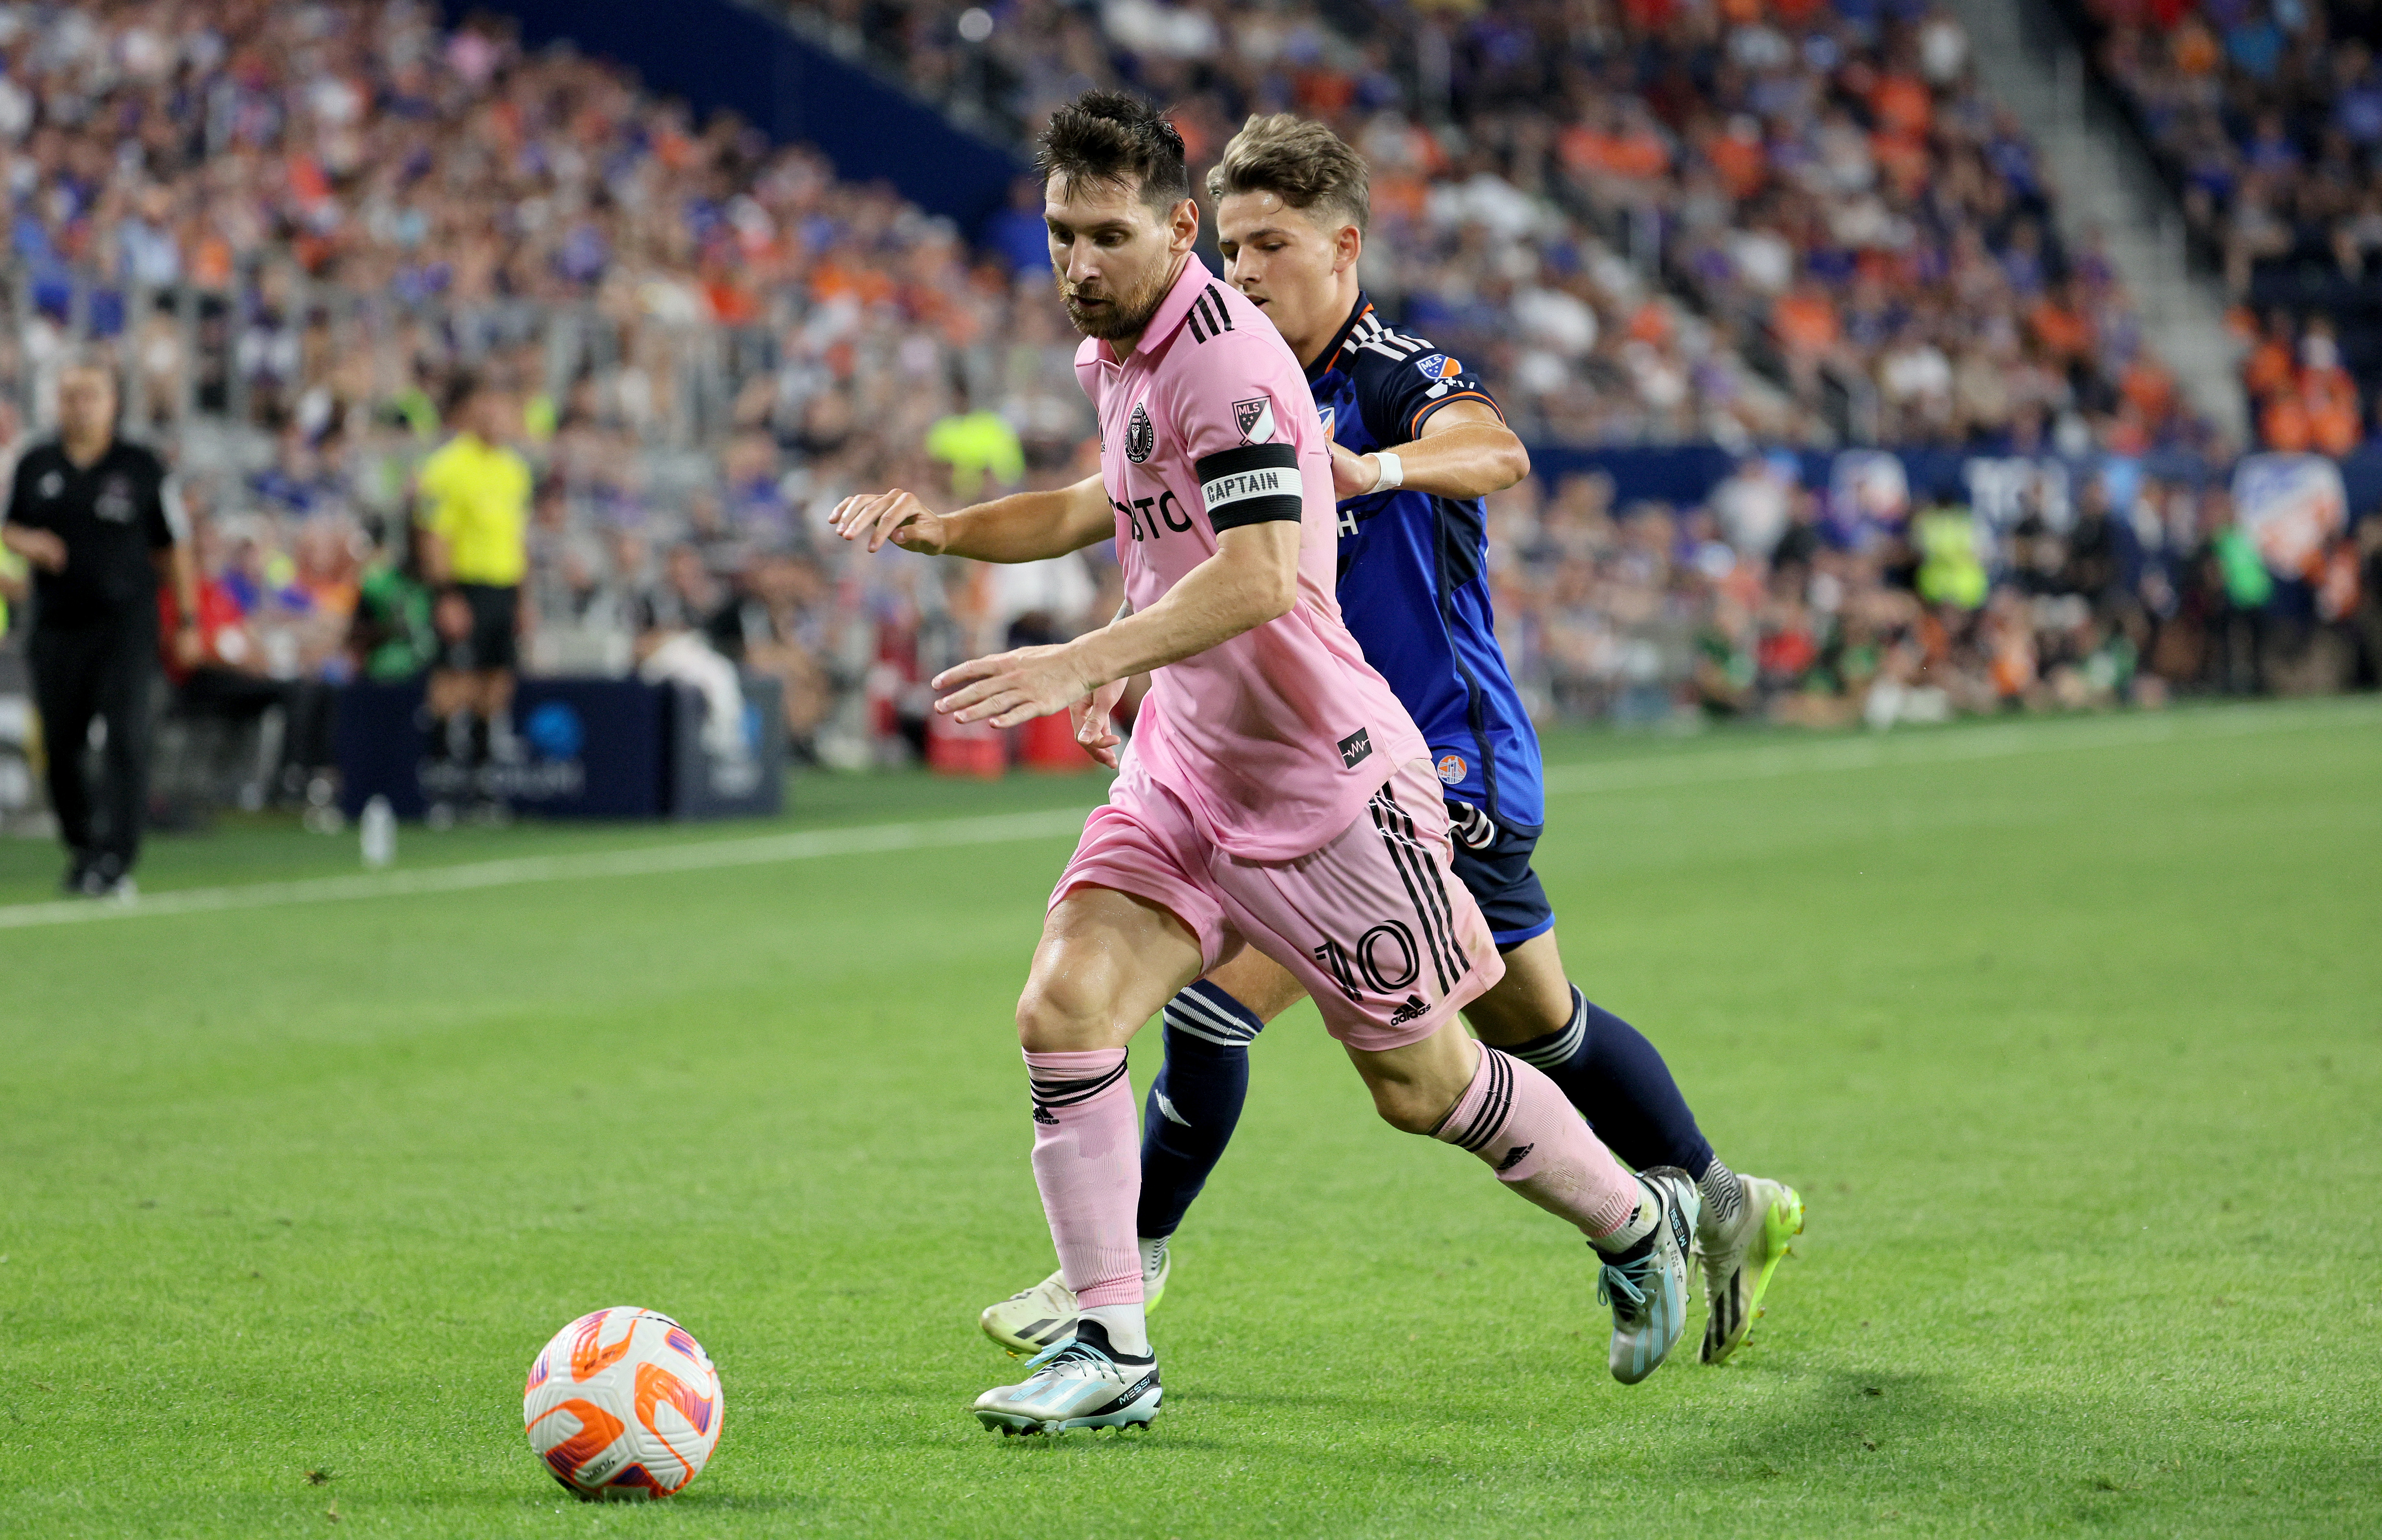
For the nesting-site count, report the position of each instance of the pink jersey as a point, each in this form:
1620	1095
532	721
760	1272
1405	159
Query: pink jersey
1275	739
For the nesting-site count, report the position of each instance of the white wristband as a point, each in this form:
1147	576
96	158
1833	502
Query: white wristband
1393	470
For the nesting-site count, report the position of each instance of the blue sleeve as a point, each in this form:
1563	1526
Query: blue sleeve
1398	395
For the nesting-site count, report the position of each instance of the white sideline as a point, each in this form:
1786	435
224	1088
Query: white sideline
645	860
1657	772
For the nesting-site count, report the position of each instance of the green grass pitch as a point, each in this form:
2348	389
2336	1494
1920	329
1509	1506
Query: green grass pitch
2070	1031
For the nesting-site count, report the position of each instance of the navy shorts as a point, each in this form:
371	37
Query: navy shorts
1494	862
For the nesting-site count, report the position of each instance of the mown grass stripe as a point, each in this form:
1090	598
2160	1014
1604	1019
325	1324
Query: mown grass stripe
1765	763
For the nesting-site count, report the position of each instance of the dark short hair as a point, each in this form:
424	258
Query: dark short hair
1115	137
1301	161
462	386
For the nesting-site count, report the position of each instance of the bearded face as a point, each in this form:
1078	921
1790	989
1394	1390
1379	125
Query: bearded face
1111	253
1095	312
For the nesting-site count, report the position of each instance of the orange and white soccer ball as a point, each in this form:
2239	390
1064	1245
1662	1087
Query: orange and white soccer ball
623	1403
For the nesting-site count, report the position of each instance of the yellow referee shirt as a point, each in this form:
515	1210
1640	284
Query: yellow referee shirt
475	497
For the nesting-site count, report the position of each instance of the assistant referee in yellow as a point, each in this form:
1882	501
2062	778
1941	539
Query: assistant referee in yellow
474	498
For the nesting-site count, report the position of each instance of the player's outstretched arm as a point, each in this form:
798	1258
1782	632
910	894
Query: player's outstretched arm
1253	578
1465	450
1028	526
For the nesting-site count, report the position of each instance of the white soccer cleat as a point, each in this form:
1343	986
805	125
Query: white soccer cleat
1082	1382
1648	1291
1741	1256
1031	1319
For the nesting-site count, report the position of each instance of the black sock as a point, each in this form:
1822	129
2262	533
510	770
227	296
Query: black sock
1092	1334
1622	1087
1195	1103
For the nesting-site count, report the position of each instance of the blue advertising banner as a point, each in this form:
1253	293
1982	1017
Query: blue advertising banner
742	777
1684	475
581	748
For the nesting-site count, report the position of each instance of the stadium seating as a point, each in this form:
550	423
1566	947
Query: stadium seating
1791	229
2267	120
1826	189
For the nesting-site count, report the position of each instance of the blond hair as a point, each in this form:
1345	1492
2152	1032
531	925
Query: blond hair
1301	161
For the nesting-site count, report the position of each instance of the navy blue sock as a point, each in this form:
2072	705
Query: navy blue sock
1194	1101
1622	1087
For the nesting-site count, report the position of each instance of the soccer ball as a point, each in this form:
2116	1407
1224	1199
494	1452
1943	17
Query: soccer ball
623	1403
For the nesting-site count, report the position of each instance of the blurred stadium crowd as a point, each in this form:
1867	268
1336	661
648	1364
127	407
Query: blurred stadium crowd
2266	117
1624	210
1769	224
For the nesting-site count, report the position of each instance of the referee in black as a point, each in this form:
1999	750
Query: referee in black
100	523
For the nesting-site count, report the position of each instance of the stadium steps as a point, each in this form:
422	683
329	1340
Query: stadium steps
2030	62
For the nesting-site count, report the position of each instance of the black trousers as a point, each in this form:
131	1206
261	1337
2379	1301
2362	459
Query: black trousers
108	672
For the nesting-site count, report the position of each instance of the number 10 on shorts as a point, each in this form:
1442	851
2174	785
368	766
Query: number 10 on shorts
1384	957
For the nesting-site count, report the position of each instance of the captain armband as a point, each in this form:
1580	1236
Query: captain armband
1250	485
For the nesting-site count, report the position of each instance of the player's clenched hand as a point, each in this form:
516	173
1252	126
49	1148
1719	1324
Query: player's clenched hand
1352	475
897	515
1010	688
1094	729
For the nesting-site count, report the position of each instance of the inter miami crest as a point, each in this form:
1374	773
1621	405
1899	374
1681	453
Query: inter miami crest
1255	418
1139	437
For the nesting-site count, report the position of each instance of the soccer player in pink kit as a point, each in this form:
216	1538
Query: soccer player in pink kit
1276	795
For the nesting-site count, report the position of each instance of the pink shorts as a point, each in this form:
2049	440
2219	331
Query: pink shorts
1384	938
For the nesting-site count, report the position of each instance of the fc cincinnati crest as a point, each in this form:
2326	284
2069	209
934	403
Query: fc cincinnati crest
1139	437
1255	418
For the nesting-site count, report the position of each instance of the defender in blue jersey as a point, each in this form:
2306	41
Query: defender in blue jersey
1417	444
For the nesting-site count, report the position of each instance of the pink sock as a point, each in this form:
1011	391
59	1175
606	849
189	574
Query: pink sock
1515	1118
1087	1163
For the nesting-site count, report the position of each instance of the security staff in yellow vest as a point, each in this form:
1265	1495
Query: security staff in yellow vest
473	499
1950	569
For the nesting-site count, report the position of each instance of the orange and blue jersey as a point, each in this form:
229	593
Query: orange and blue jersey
1413	572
